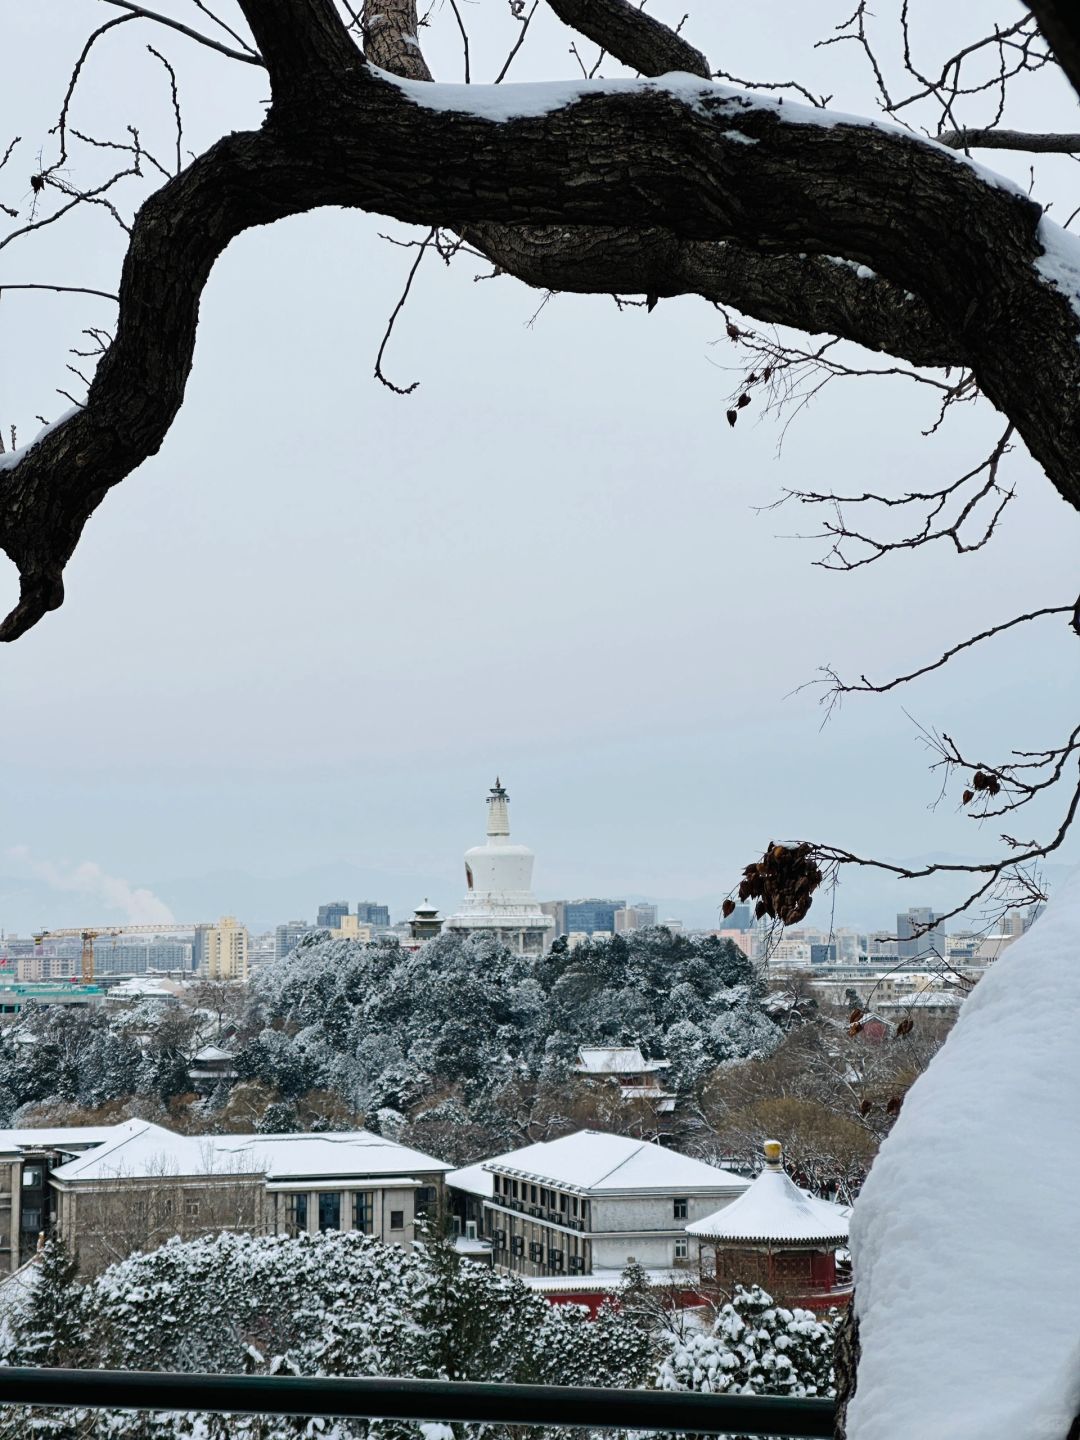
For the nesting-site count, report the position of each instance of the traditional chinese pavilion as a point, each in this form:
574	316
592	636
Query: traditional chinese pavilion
776	1236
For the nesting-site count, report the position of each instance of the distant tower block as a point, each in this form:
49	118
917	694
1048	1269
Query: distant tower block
498	878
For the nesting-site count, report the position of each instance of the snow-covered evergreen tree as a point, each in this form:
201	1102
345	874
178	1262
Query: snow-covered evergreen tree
754	1348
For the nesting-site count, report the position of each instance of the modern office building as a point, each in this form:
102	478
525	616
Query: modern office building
288	936
591	917
369	913
329	916
919	935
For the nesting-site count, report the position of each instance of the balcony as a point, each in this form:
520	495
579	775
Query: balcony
420	1400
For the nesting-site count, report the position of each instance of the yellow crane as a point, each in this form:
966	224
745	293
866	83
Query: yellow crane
89	933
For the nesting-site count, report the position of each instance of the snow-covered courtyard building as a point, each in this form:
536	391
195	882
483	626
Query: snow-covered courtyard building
109	1190
626	1067
776	1236
498	878
591	1202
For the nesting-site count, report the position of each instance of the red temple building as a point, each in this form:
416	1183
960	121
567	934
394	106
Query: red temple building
776	1236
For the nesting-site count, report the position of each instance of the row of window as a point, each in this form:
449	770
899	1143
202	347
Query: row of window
363	1212
540	1195
553	1256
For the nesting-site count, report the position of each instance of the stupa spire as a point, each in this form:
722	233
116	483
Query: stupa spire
498	812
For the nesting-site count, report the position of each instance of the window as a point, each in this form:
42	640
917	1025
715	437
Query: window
397	1219
470	1229
31	1179
562	1203
425	1199
517	1244
680	1209
536	1251
514	1188
191	1208
577	1265
500	1239
555	1259
532	1193
682	1249
545	1195
330	1211
363	1211
31	1220
295	1213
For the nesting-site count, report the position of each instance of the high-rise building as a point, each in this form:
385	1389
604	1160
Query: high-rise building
588	917
498	879
634	917
919	935
221	950
288	936
329	916
557	910
739	919
377	916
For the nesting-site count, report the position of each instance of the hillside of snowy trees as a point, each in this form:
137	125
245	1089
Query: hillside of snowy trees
382	1030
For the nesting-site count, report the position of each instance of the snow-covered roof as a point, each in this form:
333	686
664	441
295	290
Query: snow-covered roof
476	1179
139	986
212	1052
923	1000
54	1138
775	1209
595	1162
138	1149
616	1060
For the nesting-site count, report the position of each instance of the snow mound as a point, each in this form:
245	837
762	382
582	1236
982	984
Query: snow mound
964	1238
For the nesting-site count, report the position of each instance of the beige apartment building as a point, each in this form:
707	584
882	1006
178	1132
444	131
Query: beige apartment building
221	950
109	1190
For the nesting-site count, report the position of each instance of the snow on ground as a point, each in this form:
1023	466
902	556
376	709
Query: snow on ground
967	1266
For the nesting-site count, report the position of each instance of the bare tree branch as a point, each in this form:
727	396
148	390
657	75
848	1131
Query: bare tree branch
247	55
992	139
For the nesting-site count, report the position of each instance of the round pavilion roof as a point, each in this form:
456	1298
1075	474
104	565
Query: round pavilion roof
774	1209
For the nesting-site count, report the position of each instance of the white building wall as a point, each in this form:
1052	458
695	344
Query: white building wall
633	1212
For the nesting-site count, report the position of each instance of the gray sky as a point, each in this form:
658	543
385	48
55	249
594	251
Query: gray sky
300	642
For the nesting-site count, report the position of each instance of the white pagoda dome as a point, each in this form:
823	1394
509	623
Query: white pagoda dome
498	877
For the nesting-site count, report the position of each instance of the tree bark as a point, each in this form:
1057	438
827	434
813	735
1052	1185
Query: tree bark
1059	21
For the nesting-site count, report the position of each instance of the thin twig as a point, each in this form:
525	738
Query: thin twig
398	389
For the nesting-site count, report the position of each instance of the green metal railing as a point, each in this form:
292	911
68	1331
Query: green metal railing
428	1400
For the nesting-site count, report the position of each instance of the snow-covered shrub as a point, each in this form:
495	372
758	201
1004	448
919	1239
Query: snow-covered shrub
754	1348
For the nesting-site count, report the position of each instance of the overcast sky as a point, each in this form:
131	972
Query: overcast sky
300	642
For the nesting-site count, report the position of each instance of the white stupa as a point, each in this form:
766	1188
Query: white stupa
499	898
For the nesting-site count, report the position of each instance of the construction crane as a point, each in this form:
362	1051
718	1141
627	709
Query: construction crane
88	934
